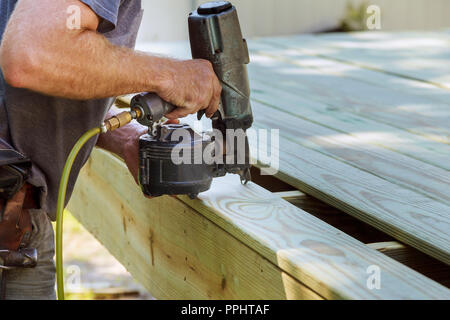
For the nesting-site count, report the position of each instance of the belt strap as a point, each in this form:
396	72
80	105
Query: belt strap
3	284
15	226
15	233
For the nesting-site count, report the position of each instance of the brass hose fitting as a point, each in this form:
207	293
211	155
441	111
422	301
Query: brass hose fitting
120	120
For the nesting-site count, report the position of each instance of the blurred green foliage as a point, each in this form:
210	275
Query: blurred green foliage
355	17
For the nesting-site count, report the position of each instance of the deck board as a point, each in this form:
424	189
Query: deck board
351	90
423	56
263	246
406	215
358	126
366	130
401	170
172	250
362	128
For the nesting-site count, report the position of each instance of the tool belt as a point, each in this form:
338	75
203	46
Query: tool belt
16	198
15	230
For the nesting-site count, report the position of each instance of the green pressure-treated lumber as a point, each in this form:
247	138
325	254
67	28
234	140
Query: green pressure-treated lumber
182	252
172	250
367	131
422	56
399	169
350	89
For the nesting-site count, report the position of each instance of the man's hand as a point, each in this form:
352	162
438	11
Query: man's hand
130	147
125	142
193	86
43	55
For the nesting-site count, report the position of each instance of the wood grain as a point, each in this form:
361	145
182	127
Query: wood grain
367	131
371	143
351	90
334	217
406	215
420	56
380	199
399	169
174	252
418	261
310	251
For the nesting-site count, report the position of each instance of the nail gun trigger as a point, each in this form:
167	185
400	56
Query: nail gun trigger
200	114
245	177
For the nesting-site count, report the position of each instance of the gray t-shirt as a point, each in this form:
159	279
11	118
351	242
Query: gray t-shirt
45	128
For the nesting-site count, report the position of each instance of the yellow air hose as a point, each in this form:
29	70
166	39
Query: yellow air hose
111	124
61	203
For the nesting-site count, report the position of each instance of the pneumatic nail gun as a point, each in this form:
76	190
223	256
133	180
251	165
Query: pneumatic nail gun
215	35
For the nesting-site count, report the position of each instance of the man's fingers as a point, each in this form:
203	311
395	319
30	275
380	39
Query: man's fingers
212	108
172	121
214	104
178	113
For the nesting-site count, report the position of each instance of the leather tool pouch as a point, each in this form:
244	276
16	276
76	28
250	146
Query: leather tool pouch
15	220
14	170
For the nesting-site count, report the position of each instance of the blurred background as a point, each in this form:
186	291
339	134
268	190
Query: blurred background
167	20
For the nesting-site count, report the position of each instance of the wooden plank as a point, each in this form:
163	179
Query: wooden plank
304	54
401	170
426	265
174	252
418	261
367	124
335	217
410	217
405	215
286	195
368	131
352	91
420	56
322	258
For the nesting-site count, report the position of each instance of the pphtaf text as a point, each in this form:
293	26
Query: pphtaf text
227	309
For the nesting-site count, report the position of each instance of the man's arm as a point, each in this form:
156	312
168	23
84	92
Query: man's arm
39	52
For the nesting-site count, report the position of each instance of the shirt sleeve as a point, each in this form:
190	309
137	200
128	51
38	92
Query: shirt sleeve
107	10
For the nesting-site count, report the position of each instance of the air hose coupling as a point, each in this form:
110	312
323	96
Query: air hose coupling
120	120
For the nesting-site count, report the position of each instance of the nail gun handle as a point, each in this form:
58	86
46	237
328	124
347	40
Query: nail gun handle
152	108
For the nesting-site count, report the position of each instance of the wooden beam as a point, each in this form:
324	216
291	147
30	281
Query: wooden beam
359	185
172	250
409	256
335	217
391	209
152	238
287	195
401	170
369	52
371	127
416	260
269	182
351	90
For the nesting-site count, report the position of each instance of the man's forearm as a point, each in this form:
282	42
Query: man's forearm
77	64
95	68
40	53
